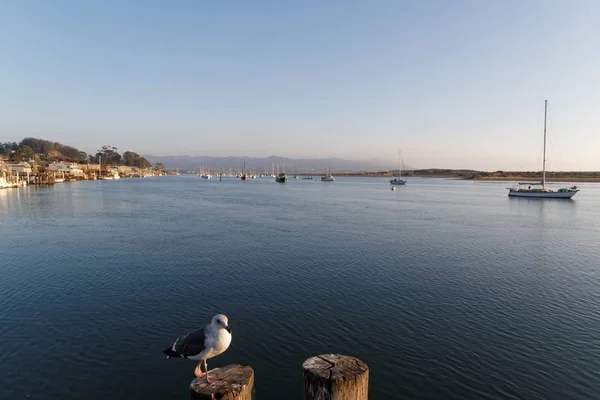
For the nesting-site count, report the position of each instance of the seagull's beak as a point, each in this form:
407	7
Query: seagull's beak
228	329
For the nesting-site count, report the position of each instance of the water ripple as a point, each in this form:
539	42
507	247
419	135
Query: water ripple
445	290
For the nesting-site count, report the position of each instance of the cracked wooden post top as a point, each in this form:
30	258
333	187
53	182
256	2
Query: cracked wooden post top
236	382
335	377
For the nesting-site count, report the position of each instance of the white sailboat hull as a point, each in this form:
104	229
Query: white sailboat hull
397	181
543	195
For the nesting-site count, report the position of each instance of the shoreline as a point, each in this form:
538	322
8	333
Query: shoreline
487	179
497	176
529	179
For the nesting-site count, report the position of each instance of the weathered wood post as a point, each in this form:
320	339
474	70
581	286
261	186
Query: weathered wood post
235	382
335	377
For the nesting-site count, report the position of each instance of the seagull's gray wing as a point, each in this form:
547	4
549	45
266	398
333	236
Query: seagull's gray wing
192	343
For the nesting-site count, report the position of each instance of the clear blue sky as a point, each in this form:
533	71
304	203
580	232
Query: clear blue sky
453	83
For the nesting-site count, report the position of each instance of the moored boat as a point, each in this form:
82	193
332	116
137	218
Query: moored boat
281	178
398	180
328	177
539	190
244	176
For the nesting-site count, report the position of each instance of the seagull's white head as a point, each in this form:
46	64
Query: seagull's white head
221	321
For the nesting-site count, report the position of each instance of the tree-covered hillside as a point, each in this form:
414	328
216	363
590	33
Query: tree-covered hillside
46	150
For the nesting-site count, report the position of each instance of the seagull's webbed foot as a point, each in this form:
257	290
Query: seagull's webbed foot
198	371
209	379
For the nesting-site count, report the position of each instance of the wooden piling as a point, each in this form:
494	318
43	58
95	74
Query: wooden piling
335	377
235	382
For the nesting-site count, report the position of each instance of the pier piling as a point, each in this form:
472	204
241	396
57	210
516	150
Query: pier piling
235	382
335	377
326	377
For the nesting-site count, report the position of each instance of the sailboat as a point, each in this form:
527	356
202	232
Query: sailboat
398	180
244	175
281	178
328	177
542	192
105	177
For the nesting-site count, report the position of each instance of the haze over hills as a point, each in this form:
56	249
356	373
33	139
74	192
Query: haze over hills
260	165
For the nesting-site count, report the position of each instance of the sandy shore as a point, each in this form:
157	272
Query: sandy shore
511	178
528	179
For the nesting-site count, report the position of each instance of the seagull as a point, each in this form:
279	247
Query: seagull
207	342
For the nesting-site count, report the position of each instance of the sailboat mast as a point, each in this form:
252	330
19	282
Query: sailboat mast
401	160
544	162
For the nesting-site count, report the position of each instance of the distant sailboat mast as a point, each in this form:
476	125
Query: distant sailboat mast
402	160
544	162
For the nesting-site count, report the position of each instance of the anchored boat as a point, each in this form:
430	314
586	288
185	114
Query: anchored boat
539	190
281	178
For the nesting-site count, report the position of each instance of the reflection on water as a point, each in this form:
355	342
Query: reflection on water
447	289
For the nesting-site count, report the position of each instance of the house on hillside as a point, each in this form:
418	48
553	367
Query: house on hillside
22	167
69	169
124	170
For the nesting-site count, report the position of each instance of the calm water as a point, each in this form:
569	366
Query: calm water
446	289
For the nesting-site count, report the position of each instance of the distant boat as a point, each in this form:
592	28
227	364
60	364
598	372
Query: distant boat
327	177
206	176
99	167
536	191
244	176
398	180
60	180
281	178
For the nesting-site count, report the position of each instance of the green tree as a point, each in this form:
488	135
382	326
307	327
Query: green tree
159	166
16	156
143	163
129	158
133	159
5	149
27	152
109	155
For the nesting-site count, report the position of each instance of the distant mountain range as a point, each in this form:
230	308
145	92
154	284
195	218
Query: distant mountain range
261	165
